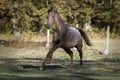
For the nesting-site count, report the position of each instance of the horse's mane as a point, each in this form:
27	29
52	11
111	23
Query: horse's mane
49	10
60	19
64	27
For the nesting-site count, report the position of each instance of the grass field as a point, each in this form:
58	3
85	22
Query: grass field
21	61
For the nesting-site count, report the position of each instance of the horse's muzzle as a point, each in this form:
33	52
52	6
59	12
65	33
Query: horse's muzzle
47	25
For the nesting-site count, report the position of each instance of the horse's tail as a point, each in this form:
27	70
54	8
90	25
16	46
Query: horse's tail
85	37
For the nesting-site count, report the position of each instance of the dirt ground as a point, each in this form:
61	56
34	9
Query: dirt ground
22	62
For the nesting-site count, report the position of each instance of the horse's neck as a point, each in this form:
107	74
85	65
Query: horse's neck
61	28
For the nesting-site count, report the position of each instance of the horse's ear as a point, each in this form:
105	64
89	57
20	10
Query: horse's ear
51	9
55	10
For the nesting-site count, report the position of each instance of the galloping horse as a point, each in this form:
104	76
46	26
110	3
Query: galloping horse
64	37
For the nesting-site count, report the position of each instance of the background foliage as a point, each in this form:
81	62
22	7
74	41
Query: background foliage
31	14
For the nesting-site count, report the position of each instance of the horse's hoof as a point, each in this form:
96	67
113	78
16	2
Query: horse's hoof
42	69
70	68
48	62
81	66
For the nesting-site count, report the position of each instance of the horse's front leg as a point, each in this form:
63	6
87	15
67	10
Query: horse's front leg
49	56
54	46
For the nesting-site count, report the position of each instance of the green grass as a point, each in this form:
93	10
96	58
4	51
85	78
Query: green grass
22	63
92	70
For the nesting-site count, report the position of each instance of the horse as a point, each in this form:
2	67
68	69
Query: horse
64	37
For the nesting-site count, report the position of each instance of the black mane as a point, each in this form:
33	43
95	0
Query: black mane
50	10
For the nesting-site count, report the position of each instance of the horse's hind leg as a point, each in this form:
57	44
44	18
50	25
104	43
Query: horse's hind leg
79	48
70	53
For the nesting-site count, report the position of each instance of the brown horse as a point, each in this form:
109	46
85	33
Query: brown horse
64	37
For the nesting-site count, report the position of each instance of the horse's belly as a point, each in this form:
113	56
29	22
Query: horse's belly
70	43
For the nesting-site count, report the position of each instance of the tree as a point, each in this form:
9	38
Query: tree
31	14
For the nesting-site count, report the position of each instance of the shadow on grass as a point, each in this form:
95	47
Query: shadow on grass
53	66
27	69
6	77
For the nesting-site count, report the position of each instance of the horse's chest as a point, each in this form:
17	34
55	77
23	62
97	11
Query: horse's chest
56	38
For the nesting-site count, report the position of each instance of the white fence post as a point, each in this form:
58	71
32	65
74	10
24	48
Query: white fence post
106	50
77	25
48	38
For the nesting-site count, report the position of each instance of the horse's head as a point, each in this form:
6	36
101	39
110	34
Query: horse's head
50	17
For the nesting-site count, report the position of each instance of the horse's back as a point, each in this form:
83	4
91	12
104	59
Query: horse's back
72	38
74	31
